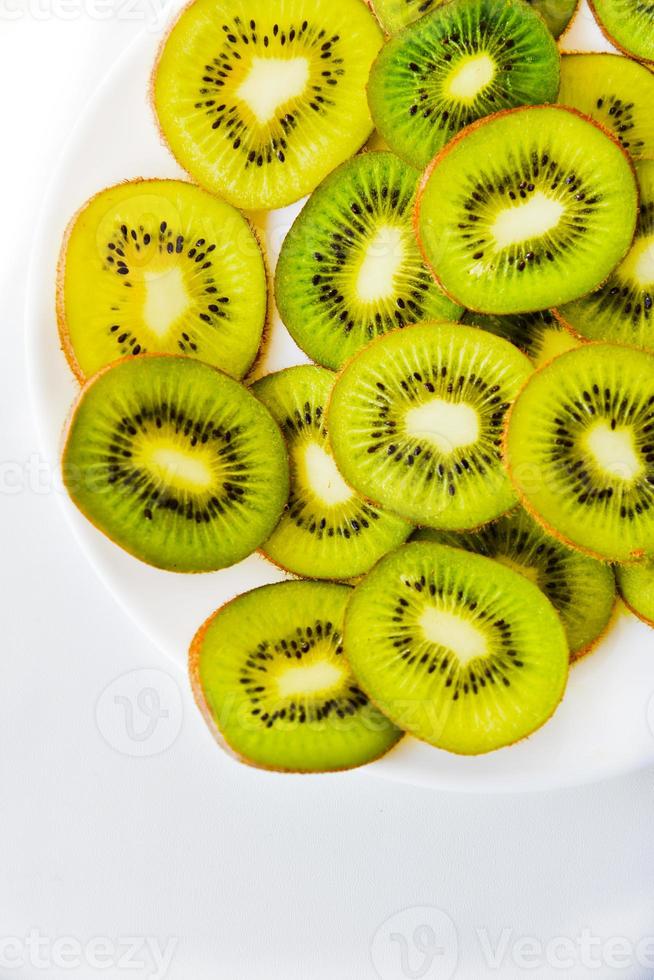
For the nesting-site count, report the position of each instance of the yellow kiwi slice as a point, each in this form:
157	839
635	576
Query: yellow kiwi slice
160	267
260	99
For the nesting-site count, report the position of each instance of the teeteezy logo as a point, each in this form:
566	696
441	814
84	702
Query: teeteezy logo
140	713
419	943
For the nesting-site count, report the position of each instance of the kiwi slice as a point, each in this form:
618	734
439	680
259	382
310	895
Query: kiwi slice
538	335
580	449
628	24
394	15
615	91
636	584
456	649
416	422
328	530
176	462
260	99
350	268
464	60
581	589
269	675
536	205
160	266
621	310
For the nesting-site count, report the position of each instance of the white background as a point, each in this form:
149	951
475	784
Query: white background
251	876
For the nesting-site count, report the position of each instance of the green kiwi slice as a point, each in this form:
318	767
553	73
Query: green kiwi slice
580	450
394	15
526	210
538	335
328	530
636	585
160	266
176	462
464	60
581	589
456	649
615	91
629	24
269	675
622	309
260	99
416	418
350	268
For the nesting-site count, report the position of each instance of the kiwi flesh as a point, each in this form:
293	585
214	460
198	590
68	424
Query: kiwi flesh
617	92
538	335
160	266
270	676
580	450
628	24
328	530
456	649
260	99
536	206
394	15
176	462
581	589
622	309
416	419
462	61
350	268
636	585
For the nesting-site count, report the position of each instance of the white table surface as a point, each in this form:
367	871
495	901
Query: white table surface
112	856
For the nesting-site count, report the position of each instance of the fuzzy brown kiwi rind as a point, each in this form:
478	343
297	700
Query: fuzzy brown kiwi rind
447	149
220	738
60	300
635	556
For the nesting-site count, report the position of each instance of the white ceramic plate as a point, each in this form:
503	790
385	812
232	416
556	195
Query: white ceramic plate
606	723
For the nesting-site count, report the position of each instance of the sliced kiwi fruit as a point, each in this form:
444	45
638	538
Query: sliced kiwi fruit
394	15
176	462
350	268
328	530
160	266
581	589
636	584
416	418
457	650
617	92
628	24
260	99
580	450
526	210
538	335
622	309
464	60
269	675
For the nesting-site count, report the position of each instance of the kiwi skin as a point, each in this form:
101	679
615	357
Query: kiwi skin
461	136
612	40
205	711
67	429
552	531
60	305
